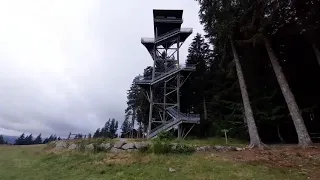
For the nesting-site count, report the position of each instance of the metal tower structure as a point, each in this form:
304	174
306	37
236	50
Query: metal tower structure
163	85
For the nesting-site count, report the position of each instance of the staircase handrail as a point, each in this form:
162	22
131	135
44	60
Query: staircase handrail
162	36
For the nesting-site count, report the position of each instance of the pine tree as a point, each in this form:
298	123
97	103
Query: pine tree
29	140
89	136
97	134
125	127
105	131
45	141
2	140
20	140
38	139
113	128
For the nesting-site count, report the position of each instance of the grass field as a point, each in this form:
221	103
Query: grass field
35	163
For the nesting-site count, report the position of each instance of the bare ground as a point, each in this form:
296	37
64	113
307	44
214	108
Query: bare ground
305	161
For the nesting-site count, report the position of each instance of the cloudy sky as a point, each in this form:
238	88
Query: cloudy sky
65	65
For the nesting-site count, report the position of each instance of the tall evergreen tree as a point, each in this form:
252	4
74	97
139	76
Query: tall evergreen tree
125	127
20	140
97	133
29	140
252	128
113	128
38	139
89	136
2	140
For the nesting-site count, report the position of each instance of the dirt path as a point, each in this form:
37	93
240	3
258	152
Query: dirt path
306	161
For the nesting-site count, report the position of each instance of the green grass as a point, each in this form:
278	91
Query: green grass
33	163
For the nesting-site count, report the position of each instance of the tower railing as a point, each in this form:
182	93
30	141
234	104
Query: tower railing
167	35
179	20
148	79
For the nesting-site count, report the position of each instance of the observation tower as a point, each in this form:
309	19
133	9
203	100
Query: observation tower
162	87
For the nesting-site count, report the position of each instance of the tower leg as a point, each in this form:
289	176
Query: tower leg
179	131
150	113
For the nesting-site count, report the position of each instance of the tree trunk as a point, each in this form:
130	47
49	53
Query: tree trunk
252	128
279	135
303	136
317	52
205	114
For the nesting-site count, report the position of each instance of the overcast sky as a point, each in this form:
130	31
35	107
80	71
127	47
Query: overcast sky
65	65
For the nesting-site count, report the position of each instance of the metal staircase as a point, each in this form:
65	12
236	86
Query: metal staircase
167	35
148	81
177	119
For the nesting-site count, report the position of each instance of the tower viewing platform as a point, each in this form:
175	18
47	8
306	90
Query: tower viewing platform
163	85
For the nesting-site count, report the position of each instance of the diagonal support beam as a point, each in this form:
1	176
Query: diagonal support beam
185	79
189	131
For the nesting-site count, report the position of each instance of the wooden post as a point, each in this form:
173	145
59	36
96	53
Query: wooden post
225	134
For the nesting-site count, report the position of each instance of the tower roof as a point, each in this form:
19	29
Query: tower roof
167	13
166	21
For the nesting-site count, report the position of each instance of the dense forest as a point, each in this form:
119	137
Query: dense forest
260	81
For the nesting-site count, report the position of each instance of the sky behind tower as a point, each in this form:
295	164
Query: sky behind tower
67	65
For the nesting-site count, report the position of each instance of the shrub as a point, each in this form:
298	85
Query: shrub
146	149
97	148
183	149
161	147
81	147
165	136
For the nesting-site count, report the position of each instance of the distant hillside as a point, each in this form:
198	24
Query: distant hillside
10	139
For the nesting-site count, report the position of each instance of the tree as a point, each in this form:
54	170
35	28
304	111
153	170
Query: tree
51	138
45	141
108	131
89	136
29	140
199	56
113	128
303	136
125	127
38	139
105	131
97	134
20	140
2	140
257	32
253	132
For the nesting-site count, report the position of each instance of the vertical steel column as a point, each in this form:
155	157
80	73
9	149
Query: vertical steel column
164	101
151	90
165	86
150	112
178	88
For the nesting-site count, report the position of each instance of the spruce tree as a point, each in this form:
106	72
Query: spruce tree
2	140
38	139
125	127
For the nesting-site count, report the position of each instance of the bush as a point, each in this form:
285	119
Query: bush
183	149
146	149
81	147
97	148
165	136
161	147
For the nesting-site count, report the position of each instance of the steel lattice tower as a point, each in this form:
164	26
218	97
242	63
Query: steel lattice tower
163	86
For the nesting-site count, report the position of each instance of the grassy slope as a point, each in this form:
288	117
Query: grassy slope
32	162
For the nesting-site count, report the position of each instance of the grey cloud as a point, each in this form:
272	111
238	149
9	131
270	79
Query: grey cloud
66	65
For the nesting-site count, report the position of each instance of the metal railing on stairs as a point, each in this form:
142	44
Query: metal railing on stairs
167	35
177	118
148	80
